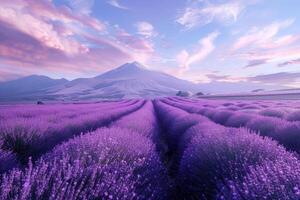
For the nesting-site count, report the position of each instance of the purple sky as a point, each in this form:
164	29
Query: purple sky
197	40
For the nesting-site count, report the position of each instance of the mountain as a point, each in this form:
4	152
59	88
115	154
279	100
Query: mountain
130	80
26	87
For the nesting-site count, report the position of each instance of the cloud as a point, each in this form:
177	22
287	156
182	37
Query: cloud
277	78
206	13
145	29
287	79
253	63
290	62
135	42
51	26
82	6
216	77
115	3
8	74
206	46
52	40
264	37
262	45
257	57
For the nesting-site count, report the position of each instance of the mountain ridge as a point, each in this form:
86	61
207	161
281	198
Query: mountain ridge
130	80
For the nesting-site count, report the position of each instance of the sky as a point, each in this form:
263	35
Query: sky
198	40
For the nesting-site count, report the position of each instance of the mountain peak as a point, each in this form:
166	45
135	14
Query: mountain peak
129	80
132	65
126	70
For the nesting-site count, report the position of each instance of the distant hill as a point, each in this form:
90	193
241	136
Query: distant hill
130	80
27	87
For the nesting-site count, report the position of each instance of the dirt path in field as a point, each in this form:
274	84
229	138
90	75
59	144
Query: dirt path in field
167	156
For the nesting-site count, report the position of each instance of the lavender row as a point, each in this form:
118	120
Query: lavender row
285	132
287	110
12	112
271	180
213	156
145	123
105	164
142	121
123	162
34	137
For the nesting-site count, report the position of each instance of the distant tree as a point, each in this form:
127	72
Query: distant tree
199	93
258	90
40	103
183	94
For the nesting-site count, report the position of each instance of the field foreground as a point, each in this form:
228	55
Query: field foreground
170	148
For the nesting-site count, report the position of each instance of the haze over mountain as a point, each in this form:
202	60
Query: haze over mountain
127	81
28	87
131	80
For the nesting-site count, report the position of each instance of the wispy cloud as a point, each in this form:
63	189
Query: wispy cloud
265	37
204	48
290	62
145	29
270	56
263	45
205	12
216	77
82	6
288	78
253	63
115	3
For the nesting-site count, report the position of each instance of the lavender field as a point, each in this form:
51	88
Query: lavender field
168	148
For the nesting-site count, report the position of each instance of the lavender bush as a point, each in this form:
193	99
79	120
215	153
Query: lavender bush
34	136
169	148
216	156
272	113
293	116
270	180
142	121
285	132
105	164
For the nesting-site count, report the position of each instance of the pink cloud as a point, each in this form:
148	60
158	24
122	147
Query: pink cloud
134	42
260	57
206	46
46	40
265	37
22	50
263	45
39	26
